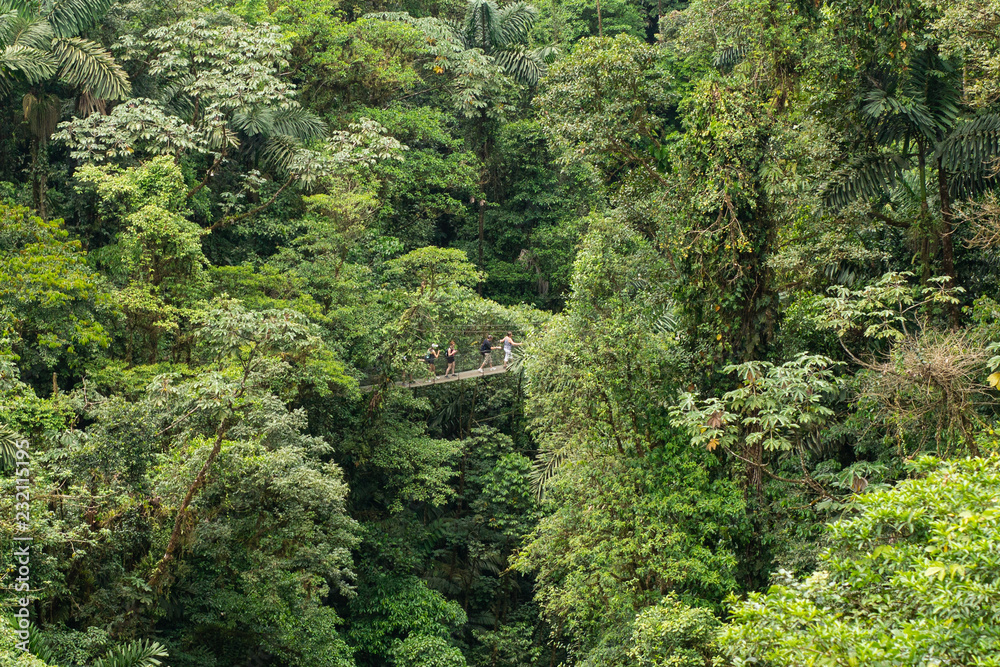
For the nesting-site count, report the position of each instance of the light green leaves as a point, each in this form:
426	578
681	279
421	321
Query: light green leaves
911	580
889	308
773	407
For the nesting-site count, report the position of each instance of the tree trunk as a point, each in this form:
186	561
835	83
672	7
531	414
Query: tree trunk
947	244
482	221
925	242
755	478
39	176
600	25
179	522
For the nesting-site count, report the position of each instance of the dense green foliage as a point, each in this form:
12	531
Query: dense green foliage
750	249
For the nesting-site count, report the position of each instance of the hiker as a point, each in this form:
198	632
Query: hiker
486	349
449	356
430	358
508	349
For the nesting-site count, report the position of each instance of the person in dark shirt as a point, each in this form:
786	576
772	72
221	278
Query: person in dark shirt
449	356
486	349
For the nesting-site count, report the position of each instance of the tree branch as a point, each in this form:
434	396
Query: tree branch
208	174
231	219
889	221
199	481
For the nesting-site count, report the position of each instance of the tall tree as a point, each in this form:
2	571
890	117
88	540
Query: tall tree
40	45
922	139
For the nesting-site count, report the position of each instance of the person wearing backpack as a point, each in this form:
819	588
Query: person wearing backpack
430	358
486	349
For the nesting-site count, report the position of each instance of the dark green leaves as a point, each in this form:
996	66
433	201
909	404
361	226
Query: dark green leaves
70	17
866	177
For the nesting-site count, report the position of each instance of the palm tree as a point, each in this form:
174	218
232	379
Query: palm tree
502	35
39	45
916	124
41	42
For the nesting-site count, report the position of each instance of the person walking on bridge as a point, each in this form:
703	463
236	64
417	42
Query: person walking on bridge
449	356
486	349
508	349
430	358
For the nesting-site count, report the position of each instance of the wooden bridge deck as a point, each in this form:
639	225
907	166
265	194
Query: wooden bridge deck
441	379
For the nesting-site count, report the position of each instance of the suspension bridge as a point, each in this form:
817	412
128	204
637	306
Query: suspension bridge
414	372
421	377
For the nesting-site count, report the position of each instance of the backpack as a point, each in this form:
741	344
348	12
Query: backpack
486	346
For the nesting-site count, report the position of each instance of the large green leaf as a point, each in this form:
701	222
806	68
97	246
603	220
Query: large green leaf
134	654
514	23
523	65
868	176
33	64
89	65
70	17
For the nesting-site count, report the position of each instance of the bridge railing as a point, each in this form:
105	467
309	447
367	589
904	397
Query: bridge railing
465	360
415	368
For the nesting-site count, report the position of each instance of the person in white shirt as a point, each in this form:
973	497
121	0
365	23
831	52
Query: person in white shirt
508	349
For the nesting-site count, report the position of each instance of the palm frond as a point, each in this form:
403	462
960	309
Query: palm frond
437	30
481	27
296	121
89	65
546	53
924	102
545	468
894	117
9	16
871	175
514	23
252	121
524	66
943	99
134	654
730	56
279	151
70	17
34	65
28	30
972	147
174	98
8	447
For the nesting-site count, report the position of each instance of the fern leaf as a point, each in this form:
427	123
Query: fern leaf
143	653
